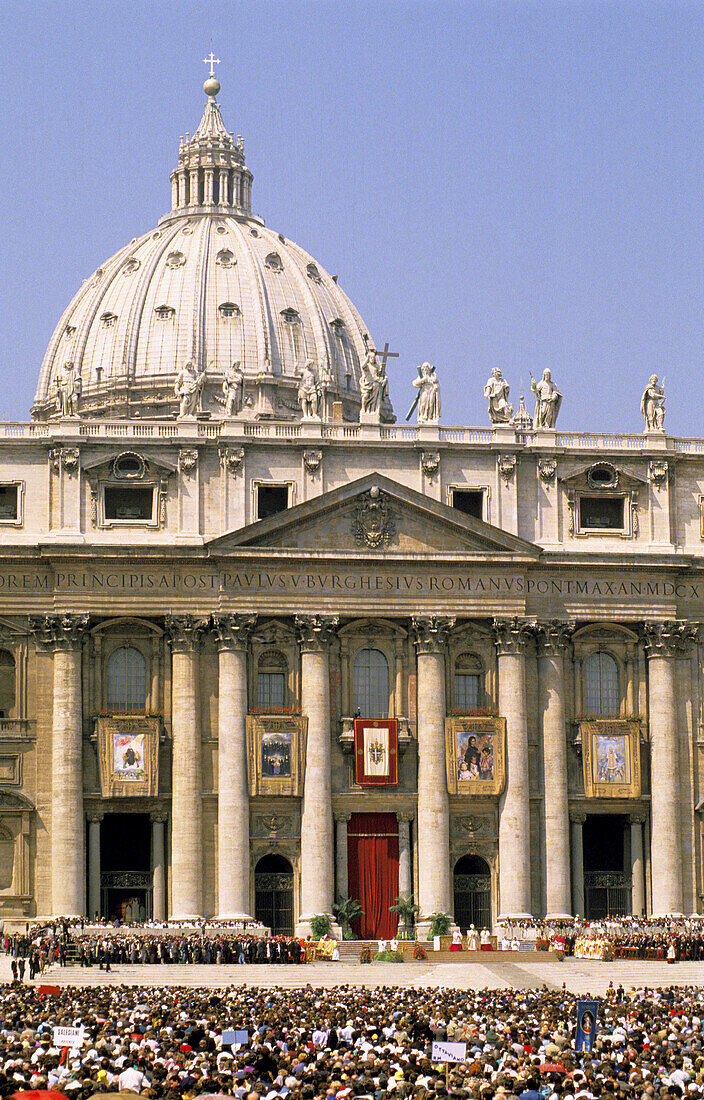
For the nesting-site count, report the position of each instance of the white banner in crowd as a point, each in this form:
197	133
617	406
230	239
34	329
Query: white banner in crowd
449	1052
68	1036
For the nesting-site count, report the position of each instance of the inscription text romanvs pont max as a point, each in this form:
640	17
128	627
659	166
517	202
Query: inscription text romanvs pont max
416	581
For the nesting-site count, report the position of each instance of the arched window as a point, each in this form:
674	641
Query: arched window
370	684
271	680
127	680
601	685
7	683
468	682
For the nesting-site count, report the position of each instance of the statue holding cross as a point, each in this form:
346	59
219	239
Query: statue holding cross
374	386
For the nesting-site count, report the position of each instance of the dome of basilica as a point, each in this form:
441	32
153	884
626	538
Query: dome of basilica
211	285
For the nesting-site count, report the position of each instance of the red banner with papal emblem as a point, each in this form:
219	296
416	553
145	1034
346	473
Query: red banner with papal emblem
376	751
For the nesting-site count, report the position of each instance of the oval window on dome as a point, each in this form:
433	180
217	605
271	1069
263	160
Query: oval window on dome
274	262
175	259
254	232
108	319
130	266
128	465
228	310
165	313
313	273
225	258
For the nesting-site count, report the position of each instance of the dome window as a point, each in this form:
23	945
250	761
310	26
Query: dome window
254	232
165	313
225	258
313	273
70	330
274	262
338	326
228	309
175	259
291	316
108	319
282	238
131	266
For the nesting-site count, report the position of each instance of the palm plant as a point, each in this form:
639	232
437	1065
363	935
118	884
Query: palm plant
347	910
406	911
440	924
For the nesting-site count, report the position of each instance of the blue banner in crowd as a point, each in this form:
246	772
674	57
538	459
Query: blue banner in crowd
586	1024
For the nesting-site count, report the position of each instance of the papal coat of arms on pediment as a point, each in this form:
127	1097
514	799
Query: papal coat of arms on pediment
372	524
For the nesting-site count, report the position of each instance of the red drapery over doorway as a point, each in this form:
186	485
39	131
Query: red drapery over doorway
372	857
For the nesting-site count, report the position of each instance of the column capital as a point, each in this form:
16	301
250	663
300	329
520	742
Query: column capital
638	817
185	632
233	631
315	632
405	815
669	637
511	636
159	817
553	636
95	816
342	818
577	818
63	631
431	632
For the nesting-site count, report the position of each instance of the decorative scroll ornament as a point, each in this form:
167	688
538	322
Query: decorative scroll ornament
670	637
513	635
657	471
373	525
553	636
185	631
507	465
431	632
547	468
316	631
232	458
187	460
65	458
430	463
312	460
59	631
233	631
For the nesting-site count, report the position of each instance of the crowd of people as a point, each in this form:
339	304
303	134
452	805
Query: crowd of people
347	1042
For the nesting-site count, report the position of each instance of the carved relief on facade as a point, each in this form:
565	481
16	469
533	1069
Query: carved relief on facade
373	525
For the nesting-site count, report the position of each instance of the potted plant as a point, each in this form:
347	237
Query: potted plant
321	925
347	910
440	924
406	911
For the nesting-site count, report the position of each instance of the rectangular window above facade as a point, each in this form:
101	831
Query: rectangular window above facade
11	499
602	513
129	504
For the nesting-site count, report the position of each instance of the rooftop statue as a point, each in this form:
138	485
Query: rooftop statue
188	388
547	401
652	404
309	391
233	389
496	392
68	388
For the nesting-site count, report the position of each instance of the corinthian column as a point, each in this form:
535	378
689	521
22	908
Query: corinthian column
553	639
663	642
233	633
63	635
315	633
511	637
185	632
433	818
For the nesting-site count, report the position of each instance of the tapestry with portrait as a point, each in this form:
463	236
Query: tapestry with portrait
611	757
276	746
128	752
476	760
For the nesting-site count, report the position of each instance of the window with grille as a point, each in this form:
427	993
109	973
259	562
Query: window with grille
127	680
370	684
468	684
271	680
601	694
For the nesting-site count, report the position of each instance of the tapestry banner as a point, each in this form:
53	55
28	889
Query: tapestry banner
611	757
376	751
276	751
128	750
476	756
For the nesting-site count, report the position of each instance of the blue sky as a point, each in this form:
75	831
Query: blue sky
513	184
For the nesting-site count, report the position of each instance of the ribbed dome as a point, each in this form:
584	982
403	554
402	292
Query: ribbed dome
211	284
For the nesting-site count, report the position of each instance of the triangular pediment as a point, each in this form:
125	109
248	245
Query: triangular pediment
376	514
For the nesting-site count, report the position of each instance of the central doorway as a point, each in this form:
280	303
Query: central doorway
372	869
607	877
125	867
472	890
273	894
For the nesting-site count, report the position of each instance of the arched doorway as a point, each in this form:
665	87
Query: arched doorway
472	885
273	894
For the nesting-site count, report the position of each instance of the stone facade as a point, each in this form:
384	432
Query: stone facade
168	576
